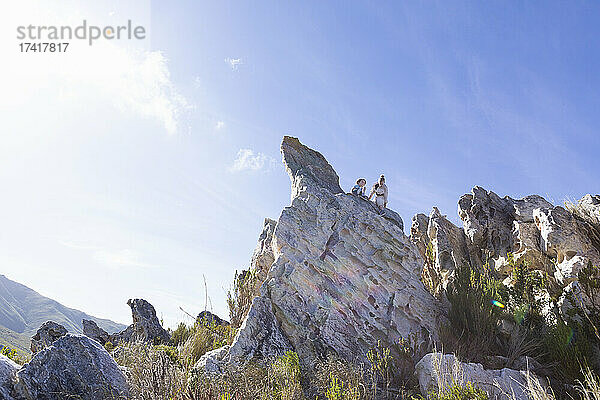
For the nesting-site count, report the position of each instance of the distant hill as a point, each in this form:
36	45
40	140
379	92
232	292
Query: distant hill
23	310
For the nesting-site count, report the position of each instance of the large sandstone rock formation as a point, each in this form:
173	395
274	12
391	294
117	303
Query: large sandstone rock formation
437	372
73	367
47	334
145	327
341	276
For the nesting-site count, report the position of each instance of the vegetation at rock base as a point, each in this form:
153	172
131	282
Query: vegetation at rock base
167	371
487	318
459	392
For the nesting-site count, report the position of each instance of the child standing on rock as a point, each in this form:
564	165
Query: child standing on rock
359	188
380	191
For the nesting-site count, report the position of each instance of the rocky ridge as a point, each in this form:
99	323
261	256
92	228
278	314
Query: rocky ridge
336	277
501	232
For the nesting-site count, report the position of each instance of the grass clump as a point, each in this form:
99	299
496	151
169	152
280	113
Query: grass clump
203	337
240	296
151	372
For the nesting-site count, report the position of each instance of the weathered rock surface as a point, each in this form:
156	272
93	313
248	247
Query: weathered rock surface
8	371
548	238
442	246
93	331
263	257
496	226
437	371
74	366
145	328
342	276
47	334
588	208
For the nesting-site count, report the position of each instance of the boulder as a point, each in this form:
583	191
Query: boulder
74	366
343	276
8	371
437	372
548	238
93	331
146	327
213	361
208	317
47	334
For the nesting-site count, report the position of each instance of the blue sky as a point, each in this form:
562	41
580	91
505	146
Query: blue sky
139	169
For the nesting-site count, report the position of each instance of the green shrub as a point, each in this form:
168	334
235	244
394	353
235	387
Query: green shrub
170	351
204	337
459	392
336	377
285	377
152	374
109	346
473	318
13	355
181	334
337	391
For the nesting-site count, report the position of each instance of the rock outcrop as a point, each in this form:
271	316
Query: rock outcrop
210	318
145	327
8	371
497	226
47	334
74	366
437	372
93	331
343	277
442	246
504	232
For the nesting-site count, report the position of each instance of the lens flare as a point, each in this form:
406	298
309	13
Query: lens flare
497	303
570	337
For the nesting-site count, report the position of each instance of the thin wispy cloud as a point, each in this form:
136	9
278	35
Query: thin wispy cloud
110	258
247	160
121	258
234	63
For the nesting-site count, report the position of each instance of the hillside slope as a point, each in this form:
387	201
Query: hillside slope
23	310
